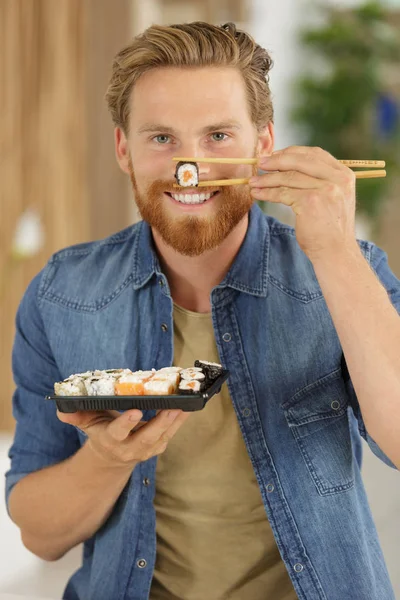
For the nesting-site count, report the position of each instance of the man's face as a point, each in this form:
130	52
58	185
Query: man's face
200	112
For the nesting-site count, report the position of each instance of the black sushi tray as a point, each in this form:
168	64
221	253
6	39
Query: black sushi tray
185	402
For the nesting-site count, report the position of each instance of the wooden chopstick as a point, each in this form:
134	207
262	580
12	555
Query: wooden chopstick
219	182
222	161
372	164
215	182
370	174
222	182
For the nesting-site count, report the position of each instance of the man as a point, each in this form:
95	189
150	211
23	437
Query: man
259	495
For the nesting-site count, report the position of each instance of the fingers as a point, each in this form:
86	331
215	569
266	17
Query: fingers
160	430
120	428
309	164
292	179
123	438
83	419
293	198
129	422
312	153
118	425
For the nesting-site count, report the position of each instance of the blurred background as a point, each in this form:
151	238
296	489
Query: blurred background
335	84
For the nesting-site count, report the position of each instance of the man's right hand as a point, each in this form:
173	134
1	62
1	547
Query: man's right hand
122	439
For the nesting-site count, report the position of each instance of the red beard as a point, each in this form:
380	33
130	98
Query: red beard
192	235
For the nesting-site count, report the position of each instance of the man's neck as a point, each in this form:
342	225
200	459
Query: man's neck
191	279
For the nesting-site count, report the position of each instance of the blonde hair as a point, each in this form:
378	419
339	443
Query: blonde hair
195	44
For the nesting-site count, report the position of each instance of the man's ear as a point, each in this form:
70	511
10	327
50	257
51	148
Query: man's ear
266	140
121	149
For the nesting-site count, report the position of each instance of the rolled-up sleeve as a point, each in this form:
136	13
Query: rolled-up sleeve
379	263
40	439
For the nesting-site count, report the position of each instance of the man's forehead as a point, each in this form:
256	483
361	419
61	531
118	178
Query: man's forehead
170	77
205	97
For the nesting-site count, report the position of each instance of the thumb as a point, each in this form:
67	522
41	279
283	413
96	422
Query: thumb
83	419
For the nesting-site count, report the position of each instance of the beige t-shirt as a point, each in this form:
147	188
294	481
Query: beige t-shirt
214	540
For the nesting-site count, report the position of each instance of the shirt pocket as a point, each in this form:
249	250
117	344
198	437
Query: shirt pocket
317	416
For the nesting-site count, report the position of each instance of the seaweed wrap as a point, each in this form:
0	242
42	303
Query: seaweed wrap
187	174
210	369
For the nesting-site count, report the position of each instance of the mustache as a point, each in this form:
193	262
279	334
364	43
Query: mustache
161	185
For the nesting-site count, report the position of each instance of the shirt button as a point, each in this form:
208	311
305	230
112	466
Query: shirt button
161	282
298	567
141	563
146	481
227	337
164	327
335	405
270	488
246	412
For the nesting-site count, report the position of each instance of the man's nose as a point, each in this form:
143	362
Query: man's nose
193	151
204	168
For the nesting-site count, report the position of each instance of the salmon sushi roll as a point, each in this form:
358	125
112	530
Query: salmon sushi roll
159	387
187	174
193	373
170	370
190	386
174	378
133	384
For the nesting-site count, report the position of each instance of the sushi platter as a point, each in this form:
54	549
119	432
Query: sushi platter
122	389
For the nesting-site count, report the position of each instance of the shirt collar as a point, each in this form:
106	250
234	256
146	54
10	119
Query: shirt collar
248	273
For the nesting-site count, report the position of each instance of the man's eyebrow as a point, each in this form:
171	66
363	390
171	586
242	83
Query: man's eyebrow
154	127
222	125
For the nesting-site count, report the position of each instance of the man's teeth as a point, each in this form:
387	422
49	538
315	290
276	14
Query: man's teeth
191	198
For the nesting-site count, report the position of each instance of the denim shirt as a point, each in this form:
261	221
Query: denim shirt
107	304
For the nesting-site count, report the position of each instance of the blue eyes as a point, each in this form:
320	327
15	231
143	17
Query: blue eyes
164	139
221	134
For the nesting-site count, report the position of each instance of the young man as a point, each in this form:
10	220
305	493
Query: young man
260	494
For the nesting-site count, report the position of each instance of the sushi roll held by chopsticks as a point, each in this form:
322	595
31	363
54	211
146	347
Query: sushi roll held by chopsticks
187	174
187	170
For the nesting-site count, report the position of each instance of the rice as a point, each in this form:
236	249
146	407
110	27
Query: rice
187	174
100	386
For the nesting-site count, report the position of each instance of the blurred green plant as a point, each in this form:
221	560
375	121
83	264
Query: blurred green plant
338	107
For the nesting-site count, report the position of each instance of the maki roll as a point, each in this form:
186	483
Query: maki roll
174	378
100	386
159	387
193	373
132	384
170	370
73	386
190	386
187	174
117	373
210	369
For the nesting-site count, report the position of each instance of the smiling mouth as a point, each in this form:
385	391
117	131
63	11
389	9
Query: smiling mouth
192	198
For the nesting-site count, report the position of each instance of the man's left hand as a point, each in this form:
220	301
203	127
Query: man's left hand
321	192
